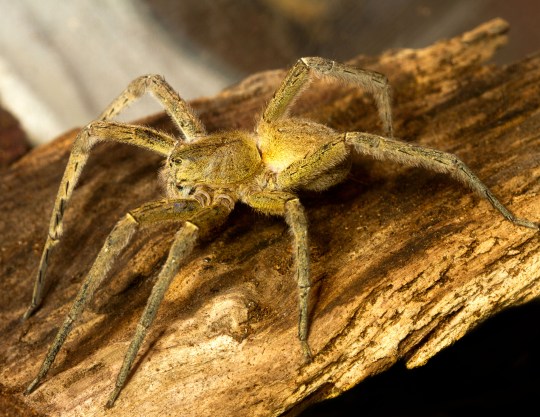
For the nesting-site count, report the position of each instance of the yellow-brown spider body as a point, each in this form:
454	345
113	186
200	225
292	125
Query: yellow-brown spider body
205	175
239	163
305	138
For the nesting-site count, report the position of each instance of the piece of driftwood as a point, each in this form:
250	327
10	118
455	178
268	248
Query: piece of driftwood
404	262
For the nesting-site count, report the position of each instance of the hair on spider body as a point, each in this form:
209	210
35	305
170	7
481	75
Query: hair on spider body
217	161
205	175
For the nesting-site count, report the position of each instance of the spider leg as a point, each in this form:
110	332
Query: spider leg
141	136
299	75
315	170
184	241
415	155
117	240
288	205
189	125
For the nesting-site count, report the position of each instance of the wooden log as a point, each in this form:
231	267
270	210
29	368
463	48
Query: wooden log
404	261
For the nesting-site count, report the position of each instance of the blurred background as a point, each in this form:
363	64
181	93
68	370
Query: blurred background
62	62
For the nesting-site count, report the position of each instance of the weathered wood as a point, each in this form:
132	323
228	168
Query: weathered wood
404	262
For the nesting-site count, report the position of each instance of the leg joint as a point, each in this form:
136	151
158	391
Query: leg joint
129	217
321	65
191	227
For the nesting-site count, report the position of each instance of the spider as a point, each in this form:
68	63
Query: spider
206	174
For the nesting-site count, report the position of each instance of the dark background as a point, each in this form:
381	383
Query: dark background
255	35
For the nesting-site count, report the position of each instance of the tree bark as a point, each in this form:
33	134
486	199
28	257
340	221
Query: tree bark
404	261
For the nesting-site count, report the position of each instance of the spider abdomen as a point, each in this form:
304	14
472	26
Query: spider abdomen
289	140
304	154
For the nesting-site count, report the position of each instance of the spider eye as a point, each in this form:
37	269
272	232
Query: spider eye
176	161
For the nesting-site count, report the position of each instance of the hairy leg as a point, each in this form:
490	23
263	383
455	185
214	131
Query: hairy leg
189	125
289	206
299	76
114	244
141	136
318	171
432	159
184	241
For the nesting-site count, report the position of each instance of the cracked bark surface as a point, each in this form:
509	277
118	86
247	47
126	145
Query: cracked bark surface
404	261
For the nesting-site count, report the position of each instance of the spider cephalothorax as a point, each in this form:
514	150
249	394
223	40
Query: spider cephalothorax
205	175
222	160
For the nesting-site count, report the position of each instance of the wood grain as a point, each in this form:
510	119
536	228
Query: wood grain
404	261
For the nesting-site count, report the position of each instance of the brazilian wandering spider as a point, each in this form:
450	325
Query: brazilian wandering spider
205	175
